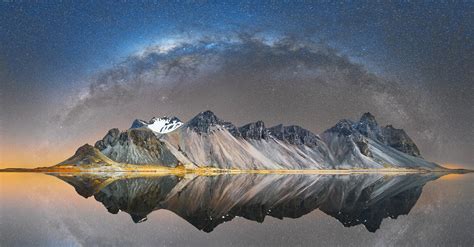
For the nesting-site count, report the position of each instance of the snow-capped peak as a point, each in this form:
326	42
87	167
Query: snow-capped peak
159	125
164	124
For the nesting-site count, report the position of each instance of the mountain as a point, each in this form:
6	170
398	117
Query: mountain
137	146
88	155
208	141
388	135
205	122
364	144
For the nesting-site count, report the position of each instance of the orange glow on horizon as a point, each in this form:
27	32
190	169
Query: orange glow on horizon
455	166
17	158
41	153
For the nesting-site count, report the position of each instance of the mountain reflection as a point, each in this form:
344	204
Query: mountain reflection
207	201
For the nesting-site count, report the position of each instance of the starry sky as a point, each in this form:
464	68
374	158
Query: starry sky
71	71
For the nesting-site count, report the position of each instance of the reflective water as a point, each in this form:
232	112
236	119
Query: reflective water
242	210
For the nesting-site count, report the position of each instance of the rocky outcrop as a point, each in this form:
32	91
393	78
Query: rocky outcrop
295	135
399	139
207	121
390	136
136	146
369	127
349	147
110	139
88	155
365	144
138	123
256	131
345	129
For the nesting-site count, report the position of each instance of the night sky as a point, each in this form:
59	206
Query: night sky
69	71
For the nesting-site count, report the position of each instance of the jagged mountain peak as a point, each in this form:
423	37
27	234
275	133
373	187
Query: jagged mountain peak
85	149
204	121
399	139
138	123
368	117
369	127
344	127
255	130
110	138
259	123
205	117
295	135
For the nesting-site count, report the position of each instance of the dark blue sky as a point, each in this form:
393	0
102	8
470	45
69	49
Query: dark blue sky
38	38
50	51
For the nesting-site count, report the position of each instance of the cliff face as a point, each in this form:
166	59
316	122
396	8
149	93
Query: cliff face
388	135
256	131
399	139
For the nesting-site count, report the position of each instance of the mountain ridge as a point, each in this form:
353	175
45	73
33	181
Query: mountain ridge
208	141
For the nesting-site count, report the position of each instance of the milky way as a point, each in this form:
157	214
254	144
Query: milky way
70	73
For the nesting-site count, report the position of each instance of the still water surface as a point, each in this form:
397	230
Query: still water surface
238	210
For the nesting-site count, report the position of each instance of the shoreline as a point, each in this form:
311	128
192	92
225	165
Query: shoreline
218	171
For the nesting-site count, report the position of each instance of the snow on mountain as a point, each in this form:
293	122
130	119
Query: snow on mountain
158	125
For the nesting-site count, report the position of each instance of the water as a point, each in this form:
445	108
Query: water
238	210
